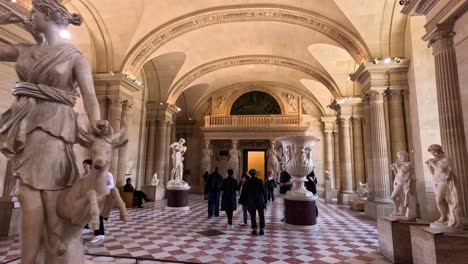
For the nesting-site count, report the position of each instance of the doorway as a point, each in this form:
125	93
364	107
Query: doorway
255	159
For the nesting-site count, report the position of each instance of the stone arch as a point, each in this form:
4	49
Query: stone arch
142	51
239	92
196	73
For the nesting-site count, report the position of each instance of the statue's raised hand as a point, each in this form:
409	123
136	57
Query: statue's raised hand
9	18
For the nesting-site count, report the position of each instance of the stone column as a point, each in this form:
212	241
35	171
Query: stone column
161	151
168	162
150	151
328	125
379	148
358	149
452	129
122	160
397	122
346	183
336	159
368	149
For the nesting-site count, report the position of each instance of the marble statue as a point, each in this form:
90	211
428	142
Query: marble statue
178	151
155	180
234	158
362	192
42	124
403	187
273	163
207	154
448	200
129	170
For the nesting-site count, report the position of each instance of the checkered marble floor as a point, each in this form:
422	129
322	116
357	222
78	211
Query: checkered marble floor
154	234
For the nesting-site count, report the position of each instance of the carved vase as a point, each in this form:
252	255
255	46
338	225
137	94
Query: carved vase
298	162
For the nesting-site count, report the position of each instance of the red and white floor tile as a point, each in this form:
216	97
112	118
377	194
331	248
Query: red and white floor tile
154	234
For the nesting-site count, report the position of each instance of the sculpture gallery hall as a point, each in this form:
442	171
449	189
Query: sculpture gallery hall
233	131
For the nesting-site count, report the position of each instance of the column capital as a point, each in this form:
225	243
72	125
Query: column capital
344	120
382	75
346	105
328	122
442	38
357	120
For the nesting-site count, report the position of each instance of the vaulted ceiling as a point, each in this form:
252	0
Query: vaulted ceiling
196	47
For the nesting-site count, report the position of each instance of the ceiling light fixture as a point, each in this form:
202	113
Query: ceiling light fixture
387	60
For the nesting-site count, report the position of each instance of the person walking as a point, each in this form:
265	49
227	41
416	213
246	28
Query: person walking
256	202
229	187
205	179
271	185
213	186
243	196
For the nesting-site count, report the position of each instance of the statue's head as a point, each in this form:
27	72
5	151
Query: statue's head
182	141
402	156
44	13
436	150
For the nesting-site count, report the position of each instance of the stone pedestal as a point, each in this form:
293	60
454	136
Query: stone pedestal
395	239
300	214
155	193
328	192
177	198
344	197
431	246
9	218
357	205
376	209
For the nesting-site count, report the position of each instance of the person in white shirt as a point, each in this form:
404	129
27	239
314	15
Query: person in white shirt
99	234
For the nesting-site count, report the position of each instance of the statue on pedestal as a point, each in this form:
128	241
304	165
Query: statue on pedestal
448	200
178	151
361	192
403	187
207	154
155	180
234	158
273	163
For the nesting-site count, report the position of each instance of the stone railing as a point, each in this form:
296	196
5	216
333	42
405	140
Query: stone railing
254	121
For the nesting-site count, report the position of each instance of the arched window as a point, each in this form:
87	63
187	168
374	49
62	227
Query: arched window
255	103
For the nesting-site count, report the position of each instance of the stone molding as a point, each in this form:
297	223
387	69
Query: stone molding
451	11
382	76
177	89
142	51
442	38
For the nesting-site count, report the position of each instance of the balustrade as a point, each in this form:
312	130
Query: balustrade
254	121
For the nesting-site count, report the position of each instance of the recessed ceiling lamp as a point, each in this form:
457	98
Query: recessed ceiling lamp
387	60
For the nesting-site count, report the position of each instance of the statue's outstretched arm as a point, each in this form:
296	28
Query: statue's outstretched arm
83	75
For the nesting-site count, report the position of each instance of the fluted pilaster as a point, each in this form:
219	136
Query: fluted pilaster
329	153
346	183
449	106
397	122
368	149
358	149
381	177
336	159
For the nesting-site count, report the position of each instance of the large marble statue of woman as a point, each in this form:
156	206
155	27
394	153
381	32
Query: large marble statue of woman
233	162
403	188
178	151
39	130
273	163
207	154
448	200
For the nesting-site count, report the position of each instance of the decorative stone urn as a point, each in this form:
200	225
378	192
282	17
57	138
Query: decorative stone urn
300	204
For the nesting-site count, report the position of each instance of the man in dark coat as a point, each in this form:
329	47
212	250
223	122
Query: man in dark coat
228	201
311	186
213	187
256	201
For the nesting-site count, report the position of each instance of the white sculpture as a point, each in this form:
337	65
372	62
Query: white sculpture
448	200
207	154
403	187
155	180
234	157
178	150
361	192
273	163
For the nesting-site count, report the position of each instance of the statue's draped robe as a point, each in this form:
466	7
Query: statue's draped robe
39	130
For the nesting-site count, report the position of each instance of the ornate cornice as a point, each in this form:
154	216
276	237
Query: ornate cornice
196	73
451	11
141	52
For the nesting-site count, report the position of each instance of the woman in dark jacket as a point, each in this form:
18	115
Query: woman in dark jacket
243	196
228	201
